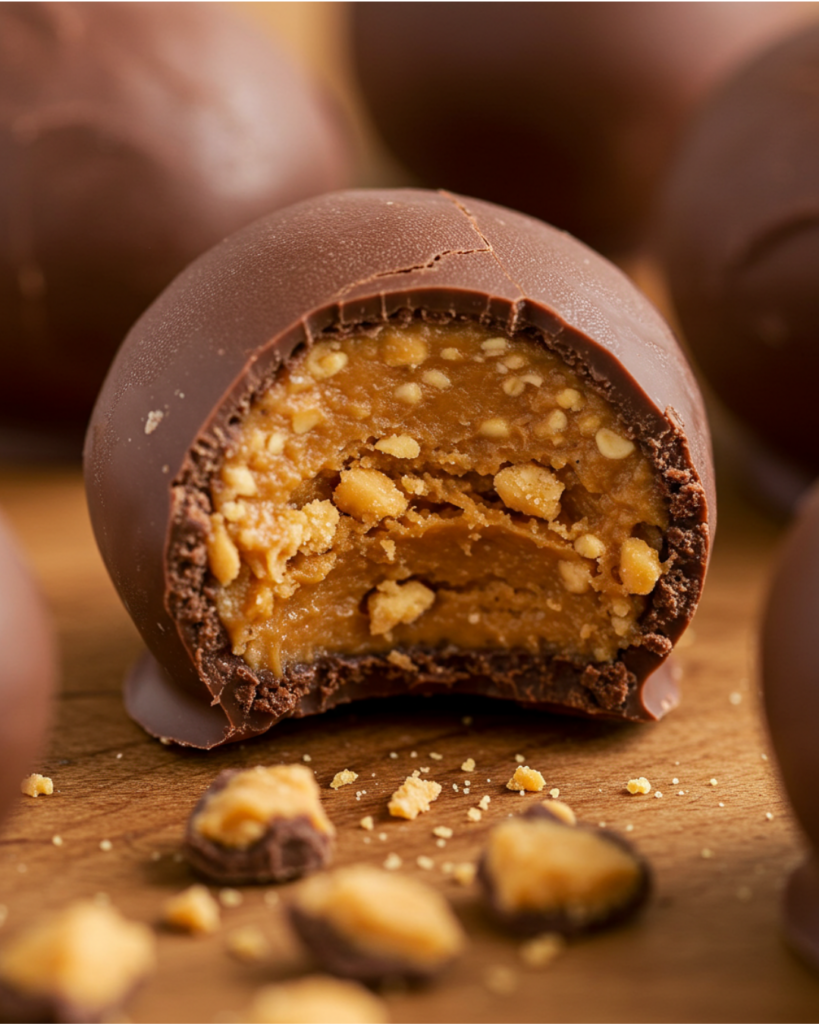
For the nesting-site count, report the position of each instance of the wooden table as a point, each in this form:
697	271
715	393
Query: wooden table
707	948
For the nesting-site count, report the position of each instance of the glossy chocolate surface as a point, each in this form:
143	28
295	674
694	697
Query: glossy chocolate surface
790	677
568	111
219	333
739	236
132	138
28	671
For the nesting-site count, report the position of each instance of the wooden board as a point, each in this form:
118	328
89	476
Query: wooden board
707	948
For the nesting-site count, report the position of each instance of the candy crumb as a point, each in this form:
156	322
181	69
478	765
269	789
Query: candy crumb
443	832
37	785
641	785
343	778
367	823
468	765
526	779
542	949
193	910
474	814
393	862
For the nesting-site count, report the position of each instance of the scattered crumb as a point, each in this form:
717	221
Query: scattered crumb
37	785
484	802
413	753
393	862
658	795
382	836
231	898
720	804
343	778
194	910
474	814
561	810
629	827
526	779
768	816
443	832
119	757
520	758
367	823
468	765
714	782
764	757
426	863
106	845
248	944
464	873
413	797
500	980
706	854
735	698
675	782
641	785
316	998
401	660
57	840
554	793
156	855
440	843
542	949
393	755
307	758
436	757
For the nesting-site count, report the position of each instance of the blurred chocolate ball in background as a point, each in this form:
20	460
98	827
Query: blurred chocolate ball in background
132	138
567	111
28	670
738	237
790	676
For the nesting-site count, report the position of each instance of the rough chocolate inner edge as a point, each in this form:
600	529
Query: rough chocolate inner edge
545	680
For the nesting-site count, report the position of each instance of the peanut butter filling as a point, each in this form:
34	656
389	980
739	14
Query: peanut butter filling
429	485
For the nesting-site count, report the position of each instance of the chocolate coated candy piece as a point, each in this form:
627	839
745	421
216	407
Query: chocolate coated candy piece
260	825
541	874
361	922
390	470
739	238
109	186
570	112
80	964
790	678
28	670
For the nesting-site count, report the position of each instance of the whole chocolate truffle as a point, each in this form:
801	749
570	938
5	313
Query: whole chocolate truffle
392	440
132	138
28	670
790	676
739	238
568	111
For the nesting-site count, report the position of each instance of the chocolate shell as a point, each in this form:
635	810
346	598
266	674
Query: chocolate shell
132	138
739	240
218	335
570	112
28	670
790	677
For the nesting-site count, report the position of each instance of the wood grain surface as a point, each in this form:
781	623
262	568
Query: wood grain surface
707	948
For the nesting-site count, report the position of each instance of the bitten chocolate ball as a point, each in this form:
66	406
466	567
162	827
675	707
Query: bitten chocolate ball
132	138
28	670
739	238
400	440
790	677
568	111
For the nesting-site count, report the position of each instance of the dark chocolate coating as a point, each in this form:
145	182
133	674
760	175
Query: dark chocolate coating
132	138
291	848
568	111
338	955
562	921
41	1008
790	677
28	671
739	239
220	332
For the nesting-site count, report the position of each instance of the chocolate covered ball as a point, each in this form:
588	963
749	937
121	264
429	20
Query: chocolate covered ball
391	441
568	111
28	670
132	138
739	238
790	676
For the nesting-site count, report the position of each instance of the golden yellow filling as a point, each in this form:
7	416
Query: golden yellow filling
427	485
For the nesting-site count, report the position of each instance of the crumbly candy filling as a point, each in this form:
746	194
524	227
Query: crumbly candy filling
427	485
384	914
539	866
239	814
